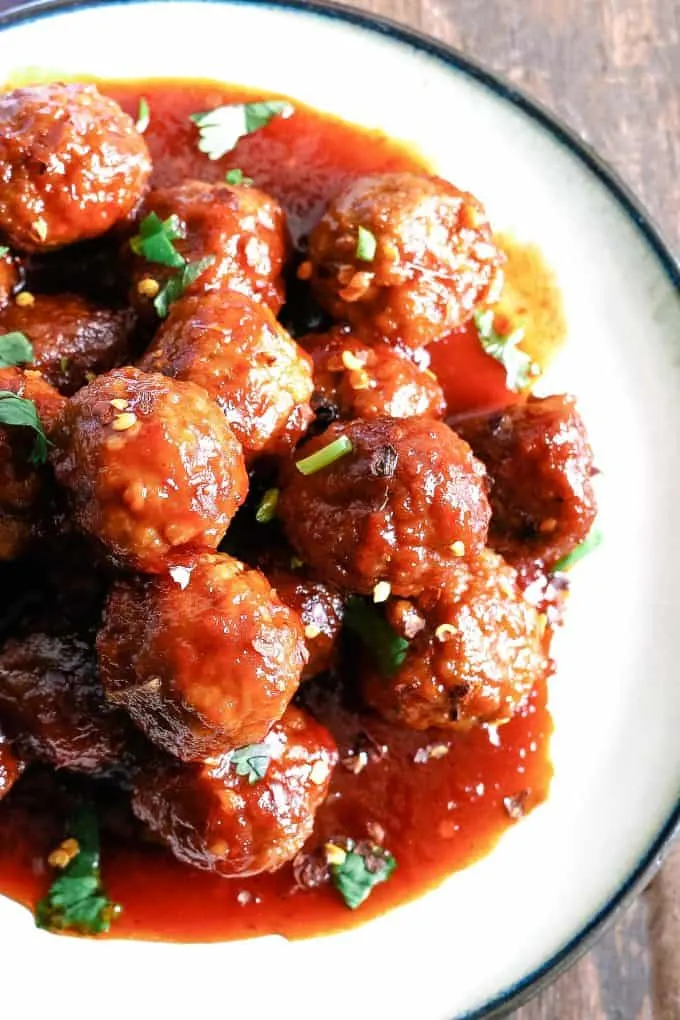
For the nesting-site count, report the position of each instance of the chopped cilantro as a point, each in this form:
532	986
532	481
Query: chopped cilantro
387	648
76	900
237	177
266	511
221	128
16	410
177	284
366	245
4	250
517	364
155	240
359	873
15	349
325	456
588	545
252	761
143	115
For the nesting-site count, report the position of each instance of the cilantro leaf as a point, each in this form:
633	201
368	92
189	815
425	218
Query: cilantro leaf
367	245
155	240
143	115
588	545
4	250
517	364
15	349
252	761
177	284
16	410
220	129
359	874
236	177
387	648
76	900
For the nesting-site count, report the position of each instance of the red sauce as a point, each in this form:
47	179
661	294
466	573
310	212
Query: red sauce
438	814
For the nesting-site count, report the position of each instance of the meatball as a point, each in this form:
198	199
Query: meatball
72	165
354	380
320	608
235	349
541	465
405	504
9	278
242	229
71	337
476	659
25	484
434	260
151	466
53	703
217	819
11	767
204	658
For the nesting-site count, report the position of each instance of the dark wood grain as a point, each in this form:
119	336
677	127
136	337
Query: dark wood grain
611	69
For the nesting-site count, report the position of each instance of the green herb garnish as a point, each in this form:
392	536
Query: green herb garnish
366	245
177	284
4	250
327	455
387	648
76	900
517	364
237	177
16	410
220	129
63	365
143	115
155	240
15	349
359	873
266	511
252	761
588	545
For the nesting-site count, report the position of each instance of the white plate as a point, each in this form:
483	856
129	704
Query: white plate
490	932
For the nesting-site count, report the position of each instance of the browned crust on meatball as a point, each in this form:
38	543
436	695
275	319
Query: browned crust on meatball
236	350
402	507
540	463
482	649
435	259
52	701
204	659
320	608
72	338
241	228
72	165
9	278
11	766
357	380
216	820
151	467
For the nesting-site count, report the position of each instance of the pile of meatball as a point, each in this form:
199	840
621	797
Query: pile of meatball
158	430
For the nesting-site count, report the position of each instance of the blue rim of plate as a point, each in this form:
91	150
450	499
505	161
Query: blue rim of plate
523	990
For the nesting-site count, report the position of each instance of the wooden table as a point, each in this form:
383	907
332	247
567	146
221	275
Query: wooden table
611	69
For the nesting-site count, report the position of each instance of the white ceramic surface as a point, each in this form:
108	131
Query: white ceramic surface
616	699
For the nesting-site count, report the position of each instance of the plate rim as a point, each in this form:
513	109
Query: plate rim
536	980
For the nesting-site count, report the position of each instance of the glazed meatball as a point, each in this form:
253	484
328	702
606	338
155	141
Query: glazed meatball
71	337
541	465
11	766
25	483
204	658
434	258
151	466
54	705
72	165
476	659
404	505
354	380
9	278
320	607
215	819
235	349
242	229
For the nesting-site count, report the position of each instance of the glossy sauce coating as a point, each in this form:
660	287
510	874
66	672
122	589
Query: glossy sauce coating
477	783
